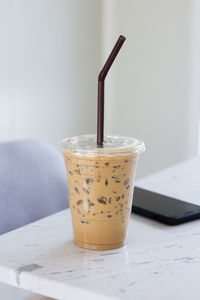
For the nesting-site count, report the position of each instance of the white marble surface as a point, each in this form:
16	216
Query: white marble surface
180	181
159	261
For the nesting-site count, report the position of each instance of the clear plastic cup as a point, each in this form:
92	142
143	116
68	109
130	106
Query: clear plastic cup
100	187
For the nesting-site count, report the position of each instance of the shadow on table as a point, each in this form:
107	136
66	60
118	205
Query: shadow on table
39	297
8	292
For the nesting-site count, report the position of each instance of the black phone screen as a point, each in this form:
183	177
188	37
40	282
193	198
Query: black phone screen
163	208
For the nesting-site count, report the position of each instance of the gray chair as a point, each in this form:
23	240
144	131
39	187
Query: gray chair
32	186
32	183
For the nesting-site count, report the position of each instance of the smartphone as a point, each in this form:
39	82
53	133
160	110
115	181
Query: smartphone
163	208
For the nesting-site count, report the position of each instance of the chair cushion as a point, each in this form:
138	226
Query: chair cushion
32	183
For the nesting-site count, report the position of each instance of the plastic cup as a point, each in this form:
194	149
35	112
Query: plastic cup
100	187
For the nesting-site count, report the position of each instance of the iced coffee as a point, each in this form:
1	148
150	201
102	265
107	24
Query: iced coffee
100	187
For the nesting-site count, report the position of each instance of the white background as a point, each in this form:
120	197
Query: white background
50	56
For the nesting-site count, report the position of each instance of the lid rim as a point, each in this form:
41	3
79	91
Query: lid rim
137	146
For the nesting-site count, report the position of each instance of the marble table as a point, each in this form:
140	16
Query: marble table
158	262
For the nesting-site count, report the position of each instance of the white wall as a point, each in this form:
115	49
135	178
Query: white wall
52	50
150	87
50	53
194	104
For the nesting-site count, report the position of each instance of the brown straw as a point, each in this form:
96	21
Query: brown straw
101	78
